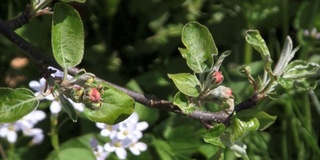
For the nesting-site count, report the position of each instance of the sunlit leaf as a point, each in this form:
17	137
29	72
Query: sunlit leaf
200	47
254	38
241	128
68	107
265	120
182	102
301	69
286	55
67	36
186	83
213	135
303	74
285	83
116	106
16	103
80	1
220	60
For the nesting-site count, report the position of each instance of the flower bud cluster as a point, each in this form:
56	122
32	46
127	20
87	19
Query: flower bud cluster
90	96
84	90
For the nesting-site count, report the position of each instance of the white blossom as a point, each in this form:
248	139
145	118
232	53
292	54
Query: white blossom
137	148
124	135
98	150
26	125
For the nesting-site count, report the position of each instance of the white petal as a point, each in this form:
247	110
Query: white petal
4	130
101	125
109	148
12	136
105	132
121	153
134	118
126	143
141	146
35	85
37	138
142	126
121	136
55	107
49	97
38	115
136	135
100	153
134	151
32	132
77	106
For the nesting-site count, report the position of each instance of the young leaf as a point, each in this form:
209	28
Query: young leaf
200	47
213	135
182	102
115	107
80	1
254	38
285	83
16	103
67	36
301	69
68	107
286	55
242	128
265	120
186	83
303	74
220	60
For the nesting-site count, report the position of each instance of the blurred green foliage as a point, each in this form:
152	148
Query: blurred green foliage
134	43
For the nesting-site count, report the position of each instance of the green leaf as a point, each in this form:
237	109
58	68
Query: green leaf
116	106
254	38
242	128
76	154
80	1
285	83
67	36
182	102
265	120
200	47
213	135
68	107
303	74
208	150
163	149
301	69
220	60
16	103
186	83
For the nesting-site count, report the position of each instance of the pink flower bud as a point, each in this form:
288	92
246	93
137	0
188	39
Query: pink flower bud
221	93
93	95
217	77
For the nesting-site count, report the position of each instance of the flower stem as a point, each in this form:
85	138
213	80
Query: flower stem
2	153
54	135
